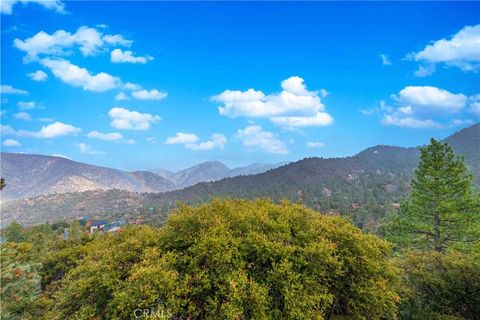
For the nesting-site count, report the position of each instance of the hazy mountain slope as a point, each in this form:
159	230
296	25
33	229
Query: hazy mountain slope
72	205
370	181
30	175
207	171
467	143
148	181
211	171
163	173
254	168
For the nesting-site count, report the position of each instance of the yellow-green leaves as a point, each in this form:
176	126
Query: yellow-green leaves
233	259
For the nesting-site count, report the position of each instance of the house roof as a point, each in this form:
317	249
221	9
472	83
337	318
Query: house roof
96	223
115	224
83	220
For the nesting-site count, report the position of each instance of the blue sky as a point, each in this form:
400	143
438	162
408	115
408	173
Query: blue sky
168	85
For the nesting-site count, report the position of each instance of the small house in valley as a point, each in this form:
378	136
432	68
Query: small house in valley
96	225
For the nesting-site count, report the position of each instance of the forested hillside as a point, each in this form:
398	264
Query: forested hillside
365	187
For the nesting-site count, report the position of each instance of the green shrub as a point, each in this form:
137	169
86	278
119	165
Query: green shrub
440	286
233	259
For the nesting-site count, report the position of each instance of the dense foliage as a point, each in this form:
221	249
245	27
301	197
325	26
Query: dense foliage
441	210
20	282
441	217
228	260
440	286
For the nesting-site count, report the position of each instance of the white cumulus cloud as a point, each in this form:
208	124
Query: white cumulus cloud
182	138
81	77
153	94
402	120
217	140
427	99
424	71
315	144
111	136
38	75
121	97
8	89
256	138
385	60
6	130
131	120
422	107
475	105
56	129
127	56
88	40
27	105
293	106
85	148
131	86
461	50
190	141
23	116
6	6
11	143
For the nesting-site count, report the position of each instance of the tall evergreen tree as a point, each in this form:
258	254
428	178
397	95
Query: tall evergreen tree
441	210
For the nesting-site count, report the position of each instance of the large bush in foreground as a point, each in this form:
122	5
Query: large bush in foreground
440	286
232	259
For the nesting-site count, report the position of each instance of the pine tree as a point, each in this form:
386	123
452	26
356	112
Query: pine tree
441	210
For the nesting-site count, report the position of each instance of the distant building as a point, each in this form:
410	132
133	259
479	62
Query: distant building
115	226
101	225
96	225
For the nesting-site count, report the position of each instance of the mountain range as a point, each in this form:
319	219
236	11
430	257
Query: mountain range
29	175
364	186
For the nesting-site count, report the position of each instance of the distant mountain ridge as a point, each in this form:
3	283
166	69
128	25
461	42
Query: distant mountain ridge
29	175
364	185
211	171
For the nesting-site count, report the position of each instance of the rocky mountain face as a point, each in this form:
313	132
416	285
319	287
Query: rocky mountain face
366	184
211	171
31	175
203	172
